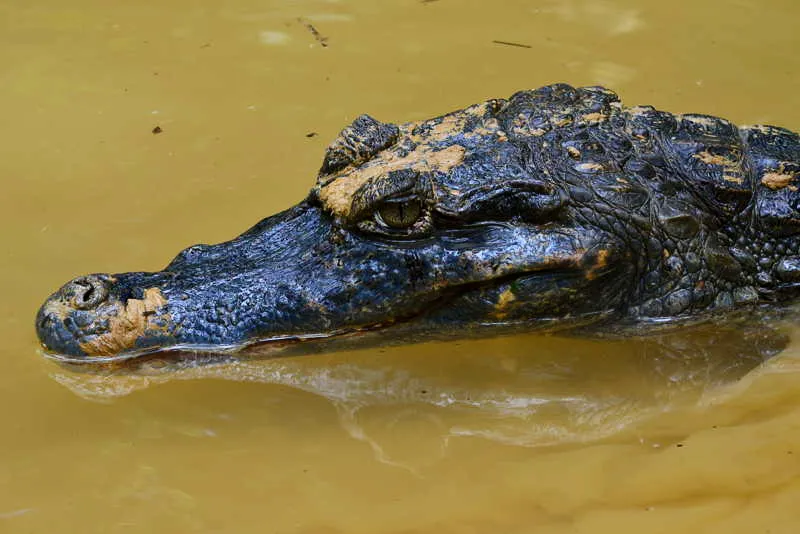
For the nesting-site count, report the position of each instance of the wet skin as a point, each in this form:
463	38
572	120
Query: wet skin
558	208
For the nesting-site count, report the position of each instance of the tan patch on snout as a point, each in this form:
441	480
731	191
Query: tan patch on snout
600	264
504	302
128	323
338	194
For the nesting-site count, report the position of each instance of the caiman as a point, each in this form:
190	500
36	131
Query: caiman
556	209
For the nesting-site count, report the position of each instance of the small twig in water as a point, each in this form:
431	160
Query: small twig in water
509	43
322	40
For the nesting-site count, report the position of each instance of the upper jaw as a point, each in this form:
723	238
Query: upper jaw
259	280
452	316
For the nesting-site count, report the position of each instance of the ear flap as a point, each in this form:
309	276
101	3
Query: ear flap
364	138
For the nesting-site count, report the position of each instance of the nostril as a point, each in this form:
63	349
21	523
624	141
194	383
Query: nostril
87	292
87	296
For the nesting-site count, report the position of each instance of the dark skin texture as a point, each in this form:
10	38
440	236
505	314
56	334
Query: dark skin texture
558	208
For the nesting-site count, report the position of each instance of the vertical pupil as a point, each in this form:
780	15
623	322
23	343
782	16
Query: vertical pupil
400	214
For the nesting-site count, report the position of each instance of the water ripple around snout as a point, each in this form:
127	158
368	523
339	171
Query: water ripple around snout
523	390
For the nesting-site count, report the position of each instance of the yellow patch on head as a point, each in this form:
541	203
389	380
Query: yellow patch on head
708	122
777	180
128	323
448	126
338	194
594	117
453	124
713	159
573	152
561	121
639	110
731	168
589	167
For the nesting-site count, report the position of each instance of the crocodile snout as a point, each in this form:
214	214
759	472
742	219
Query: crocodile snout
100	315
67	311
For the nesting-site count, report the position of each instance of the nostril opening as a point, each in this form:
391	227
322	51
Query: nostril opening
88	292
87	295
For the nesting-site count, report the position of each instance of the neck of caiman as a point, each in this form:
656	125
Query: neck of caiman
770	264
722	268
735	240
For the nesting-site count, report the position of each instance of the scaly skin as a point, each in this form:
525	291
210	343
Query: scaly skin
557	208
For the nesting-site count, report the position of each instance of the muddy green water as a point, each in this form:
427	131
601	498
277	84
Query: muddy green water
512	435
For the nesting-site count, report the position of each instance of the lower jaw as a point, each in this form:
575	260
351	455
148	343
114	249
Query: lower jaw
400	331
366	337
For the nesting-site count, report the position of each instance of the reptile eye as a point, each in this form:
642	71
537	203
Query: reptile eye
399	218
400	214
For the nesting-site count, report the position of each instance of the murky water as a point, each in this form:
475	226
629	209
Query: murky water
676	434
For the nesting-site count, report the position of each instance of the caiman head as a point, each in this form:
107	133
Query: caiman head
538	211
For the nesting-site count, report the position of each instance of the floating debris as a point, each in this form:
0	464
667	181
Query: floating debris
322	40
509	43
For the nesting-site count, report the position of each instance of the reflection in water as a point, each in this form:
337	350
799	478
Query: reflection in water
523	390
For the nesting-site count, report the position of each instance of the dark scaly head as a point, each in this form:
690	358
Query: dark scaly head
553	209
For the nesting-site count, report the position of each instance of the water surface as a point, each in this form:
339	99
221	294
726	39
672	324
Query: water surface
679	434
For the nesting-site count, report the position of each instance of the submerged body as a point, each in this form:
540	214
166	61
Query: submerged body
558	208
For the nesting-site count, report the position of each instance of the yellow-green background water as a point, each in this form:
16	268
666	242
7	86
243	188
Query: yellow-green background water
513	435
